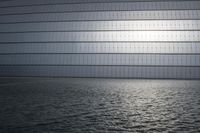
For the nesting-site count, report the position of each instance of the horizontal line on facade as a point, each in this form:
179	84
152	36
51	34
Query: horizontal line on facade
6	0
101	77
1	1
89	31
100	53
97	65
9	14
67	43
113	1
103	42
117	21
96	20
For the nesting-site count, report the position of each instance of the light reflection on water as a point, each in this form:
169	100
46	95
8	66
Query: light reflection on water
100	105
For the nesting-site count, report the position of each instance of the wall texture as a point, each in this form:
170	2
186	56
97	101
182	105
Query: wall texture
100	38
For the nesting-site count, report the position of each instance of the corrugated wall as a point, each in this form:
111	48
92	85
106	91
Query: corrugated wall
100	38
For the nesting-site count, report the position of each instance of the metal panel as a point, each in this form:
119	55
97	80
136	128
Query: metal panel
115	47
109	36
44	2
103	16
112	6
102	26
101	59
103	71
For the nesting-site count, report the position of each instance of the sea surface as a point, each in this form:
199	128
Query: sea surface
74	105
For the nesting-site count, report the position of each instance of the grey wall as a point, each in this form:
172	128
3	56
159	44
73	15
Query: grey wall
100	38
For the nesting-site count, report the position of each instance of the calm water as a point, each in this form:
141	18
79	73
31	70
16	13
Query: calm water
99	105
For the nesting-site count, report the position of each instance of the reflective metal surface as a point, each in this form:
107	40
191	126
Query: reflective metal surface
101	47
100	38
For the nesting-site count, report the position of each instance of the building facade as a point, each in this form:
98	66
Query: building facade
100	38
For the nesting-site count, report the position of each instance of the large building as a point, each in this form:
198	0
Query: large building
100	38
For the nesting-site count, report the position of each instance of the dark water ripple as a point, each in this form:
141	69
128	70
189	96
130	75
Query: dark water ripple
99	105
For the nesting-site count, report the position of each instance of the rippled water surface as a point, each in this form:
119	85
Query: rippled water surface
99	105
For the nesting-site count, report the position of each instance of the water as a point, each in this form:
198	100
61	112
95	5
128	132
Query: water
98	105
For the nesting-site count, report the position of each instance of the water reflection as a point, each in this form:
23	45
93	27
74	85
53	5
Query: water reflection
100	105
